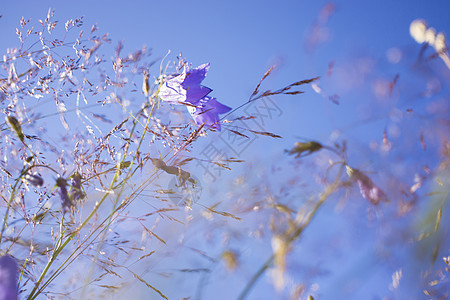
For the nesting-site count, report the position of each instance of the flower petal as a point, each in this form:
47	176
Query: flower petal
196	76
172	90
219	108
207	112
195	93
185	87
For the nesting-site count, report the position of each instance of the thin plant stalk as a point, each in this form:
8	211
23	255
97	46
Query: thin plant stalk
295	235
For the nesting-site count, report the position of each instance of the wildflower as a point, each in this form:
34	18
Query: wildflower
367	188
8	278
185	87
207	111
66	202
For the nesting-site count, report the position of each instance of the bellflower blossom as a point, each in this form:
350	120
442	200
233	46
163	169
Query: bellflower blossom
8	278
207	110
185	87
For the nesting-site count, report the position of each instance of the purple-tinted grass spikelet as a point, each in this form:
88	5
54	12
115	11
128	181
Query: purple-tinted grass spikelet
367	188
76	191
66	202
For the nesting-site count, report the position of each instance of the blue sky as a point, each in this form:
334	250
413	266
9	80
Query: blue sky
242	39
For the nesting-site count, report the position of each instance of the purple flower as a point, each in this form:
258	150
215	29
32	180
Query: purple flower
8	278
207	110
367	188
185	87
